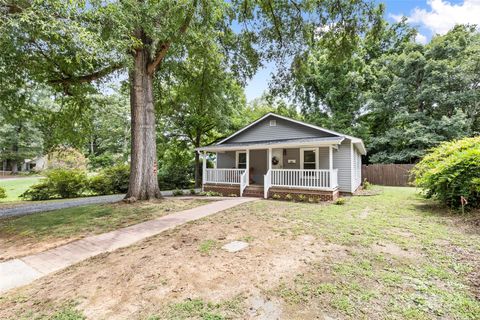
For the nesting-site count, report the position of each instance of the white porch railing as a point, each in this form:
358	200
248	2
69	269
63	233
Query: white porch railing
243	182
304	178
226	176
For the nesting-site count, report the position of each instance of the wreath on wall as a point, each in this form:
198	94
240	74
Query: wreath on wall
275	161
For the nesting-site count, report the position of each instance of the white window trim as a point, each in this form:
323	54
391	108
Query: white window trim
237	158
315	150
273	123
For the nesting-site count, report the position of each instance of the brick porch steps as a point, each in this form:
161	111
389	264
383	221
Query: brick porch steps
253	191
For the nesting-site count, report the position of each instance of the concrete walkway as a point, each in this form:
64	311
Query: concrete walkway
36	207
17	272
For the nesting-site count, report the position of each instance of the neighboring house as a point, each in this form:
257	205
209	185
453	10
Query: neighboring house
36	164
284	156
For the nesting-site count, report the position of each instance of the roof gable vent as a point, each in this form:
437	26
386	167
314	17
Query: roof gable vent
273	123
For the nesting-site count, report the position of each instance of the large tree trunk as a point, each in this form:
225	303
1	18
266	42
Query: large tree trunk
143	184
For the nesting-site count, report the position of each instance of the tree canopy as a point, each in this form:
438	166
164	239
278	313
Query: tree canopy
400	96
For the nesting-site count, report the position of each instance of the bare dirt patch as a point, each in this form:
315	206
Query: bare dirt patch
396	251
144	279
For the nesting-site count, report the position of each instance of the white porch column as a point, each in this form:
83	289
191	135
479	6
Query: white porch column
248	166
269	159
330	164
204	168
215	164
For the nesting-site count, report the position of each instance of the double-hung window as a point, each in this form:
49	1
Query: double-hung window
241	160
308	158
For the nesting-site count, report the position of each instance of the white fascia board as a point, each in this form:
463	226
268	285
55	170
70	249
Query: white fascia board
219	148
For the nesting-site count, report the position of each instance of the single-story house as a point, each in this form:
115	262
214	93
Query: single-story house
284	156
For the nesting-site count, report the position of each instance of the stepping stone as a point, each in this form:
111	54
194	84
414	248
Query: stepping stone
235	246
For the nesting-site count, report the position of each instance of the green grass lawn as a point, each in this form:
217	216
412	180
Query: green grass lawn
393	255
403	257
15	187
21	235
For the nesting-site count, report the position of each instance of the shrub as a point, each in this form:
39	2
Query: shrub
288	197
366	185
210	193
67	158
102	161
450	171
312	200
177	192
3	193
111	180
39	191
232	195
58	183
340	201
302	198
192	192
174	177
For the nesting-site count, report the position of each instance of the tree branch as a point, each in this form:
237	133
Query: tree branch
88	77
275	22
163	49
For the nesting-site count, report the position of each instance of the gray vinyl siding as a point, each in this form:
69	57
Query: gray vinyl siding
226	160
291	154
258	161
283	129
341	161
323	158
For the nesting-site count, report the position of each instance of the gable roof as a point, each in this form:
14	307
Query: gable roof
357	141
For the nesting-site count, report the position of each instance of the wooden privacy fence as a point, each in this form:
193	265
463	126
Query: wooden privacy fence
388	174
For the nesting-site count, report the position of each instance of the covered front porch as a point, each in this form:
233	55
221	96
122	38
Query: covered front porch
306	168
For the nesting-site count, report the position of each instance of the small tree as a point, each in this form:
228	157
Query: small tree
452	171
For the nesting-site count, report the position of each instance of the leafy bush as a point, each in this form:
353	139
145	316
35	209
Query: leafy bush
312	200
177	192
233	195
174	177
101	161
111	180
192	192
39	191
366	185
3	193
340	201
288	197
210	194
302	198
58	183
450	171
67	158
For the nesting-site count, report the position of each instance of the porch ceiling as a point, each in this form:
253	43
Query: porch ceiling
285	143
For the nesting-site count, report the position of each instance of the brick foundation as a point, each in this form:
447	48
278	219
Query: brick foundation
316	195
225	189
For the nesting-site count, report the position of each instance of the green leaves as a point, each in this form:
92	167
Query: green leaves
450	171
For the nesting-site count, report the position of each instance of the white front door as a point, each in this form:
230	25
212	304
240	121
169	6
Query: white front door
277	157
